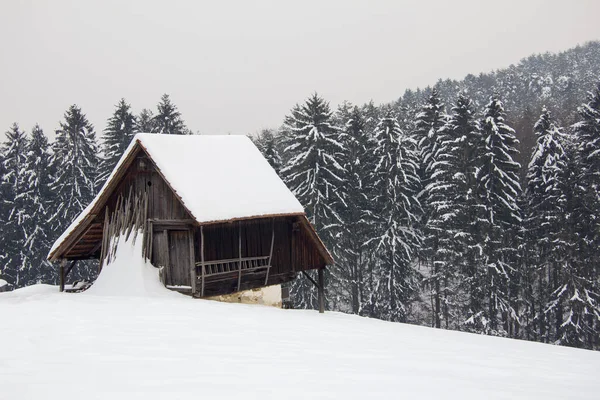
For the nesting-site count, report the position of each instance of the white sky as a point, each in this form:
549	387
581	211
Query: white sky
239	66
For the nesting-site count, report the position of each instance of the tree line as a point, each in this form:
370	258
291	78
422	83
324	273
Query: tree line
45	185
429	222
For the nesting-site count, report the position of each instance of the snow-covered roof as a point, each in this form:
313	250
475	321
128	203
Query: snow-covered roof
217	178
220	177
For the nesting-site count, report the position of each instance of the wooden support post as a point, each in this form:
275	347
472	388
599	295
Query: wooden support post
240	255
104	239
270	252
321	289
68	270
150	240
202	259
192	261
293	245
61	275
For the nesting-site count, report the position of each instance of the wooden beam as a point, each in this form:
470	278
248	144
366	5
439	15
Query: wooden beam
61	275
293	245
240	255
271	252
193	275
96	247
310	279
68	271
159	222
321	289
73	239
150	240
318	242
202	258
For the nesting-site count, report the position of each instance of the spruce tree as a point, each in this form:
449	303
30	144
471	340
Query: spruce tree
269	143
38	206
434	166
544	223
315	176
499	190
464	143
582	325
76	160
428	123
14	182
145	121
3	214
168	119
352	268
397	183
120	130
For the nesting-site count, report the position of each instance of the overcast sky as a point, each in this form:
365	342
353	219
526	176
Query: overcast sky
239	66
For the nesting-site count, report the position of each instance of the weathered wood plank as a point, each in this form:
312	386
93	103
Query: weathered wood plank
192	264
202	258
240	255
321	290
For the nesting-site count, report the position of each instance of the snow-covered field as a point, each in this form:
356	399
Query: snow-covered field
128	337
62	346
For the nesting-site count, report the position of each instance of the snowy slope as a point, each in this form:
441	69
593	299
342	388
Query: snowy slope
96	346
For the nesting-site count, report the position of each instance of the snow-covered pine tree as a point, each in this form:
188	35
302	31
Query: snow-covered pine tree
582	325
499	189
355	259
544	223
315	176
268	142
168	119
397	183
75	156
434	166
76	160
3	215
120	130
14	182
38	203
145	121
463	146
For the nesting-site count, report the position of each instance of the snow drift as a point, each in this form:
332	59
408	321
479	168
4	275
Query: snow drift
129	274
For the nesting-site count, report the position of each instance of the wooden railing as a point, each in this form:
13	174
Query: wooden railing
226	269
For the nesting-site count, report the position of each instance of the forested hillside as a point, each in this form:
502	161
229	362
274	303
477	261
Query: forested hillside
471	205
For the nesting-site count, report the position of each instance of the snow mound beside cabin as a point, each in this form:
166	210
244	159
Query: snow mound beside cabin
40	290
128	274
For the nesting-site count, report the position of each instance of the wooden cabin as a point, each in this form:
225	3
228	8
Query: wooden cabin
215	218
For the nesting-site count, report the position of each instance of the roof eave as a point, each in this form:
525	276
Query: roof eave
105	192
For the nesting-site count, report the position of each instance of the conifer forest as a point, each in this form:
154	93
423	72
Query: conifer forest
470	205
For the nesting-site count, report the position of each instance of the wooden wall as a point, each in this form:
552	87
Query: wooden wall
142	176
293	250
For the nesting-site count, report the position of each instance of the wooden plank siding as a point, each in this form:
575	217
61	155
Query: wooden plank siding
178	270
221	243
